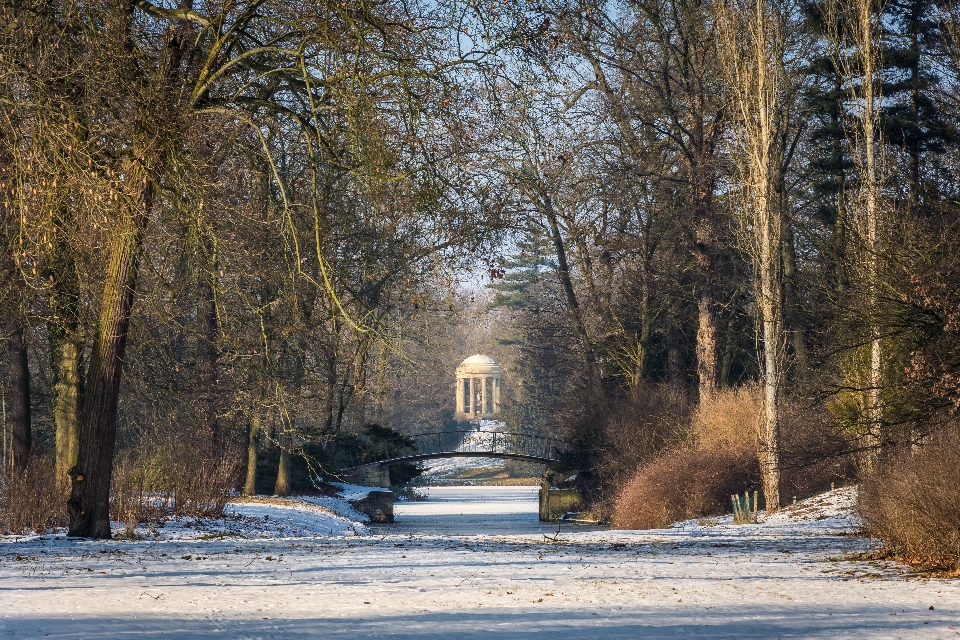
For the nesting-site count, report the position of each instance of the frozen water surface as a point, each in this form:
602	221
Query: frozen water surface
470	563
474	511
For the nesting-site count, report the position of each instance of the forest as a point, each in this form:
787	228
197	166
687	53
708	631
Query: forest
715	245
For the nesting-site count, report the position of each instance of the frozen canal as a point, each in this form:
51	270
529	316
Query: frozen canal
471	511
469	563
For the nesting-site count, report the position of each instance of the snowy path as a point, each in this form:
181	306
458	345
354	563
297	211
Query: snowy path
781	579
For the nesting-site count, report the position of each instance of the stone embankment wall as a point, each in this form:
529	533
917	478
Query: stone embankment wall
556	502
378	506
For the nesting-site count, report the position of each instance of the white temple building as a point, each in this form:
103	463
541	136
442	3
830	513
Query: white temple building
478	388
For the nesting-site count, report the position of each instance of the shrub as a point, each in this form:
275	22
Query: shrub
815	451
173	478
717	458
689	483
635	428
33	500
911	501
202	483
130	501
728	418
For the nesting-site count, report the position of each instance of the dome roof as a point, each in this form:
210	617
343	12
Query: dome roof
479	364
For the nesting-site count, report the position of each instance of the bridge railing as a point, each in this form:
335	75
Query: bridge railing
471	441
502	442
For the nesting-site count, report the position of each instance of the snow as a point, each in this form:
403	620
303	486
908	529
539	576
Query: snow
830	513
441	468
301	518
349	492
472	562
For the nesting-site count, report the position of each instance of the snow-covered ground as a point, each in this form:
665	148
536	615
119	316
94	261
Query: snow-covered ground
443	468
785	577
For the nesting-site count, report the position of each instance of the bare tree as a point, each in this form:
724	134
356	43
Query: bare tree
755	48
655	65
857	25
864	31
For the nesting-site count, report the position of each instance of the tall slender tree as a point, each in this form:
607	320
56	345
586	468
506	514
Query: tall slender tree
764	92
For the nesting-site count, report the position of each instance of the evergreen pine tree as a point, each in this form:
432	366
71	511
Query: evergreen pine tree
911	118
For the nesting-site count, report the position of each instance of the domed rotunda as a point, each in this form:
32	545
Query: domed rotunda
478	388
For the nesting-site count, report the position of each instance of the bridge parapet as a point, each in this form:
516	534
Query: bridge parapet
458	444
488	443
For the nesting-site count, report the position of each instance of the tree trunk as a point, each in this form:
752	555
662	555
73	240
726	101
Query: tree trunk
20	427
706	304
66	404
864	32
767	228
793	320
207	354
563	271
65	350
89	502
726	363
646	322
768	451
676	375
752	47
250	484
282	486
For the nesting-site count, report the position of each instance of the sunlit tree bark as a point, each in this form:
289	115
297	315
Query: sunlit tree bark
754	42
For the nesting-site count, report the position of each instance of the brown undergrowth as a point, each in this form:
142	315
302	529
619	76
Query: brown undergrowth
718	458
696	479
146	486
32	500
911	501
173	480
634	429
689	483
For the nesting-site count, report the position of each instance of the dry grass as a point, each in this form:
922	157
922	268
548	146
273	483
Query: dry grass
34	500
812	448
717	458
173	479
912	502
728	419
638	427
690	483
178	479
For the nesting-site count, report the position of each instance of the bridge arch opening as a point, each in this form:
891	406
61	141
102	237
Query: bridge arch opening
482	442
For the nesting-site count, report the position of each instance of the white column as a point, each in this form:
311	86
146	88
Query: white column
483	395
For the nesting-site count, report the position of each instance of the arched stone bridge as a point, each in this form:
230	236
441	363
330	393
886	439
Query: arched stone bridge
504	445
